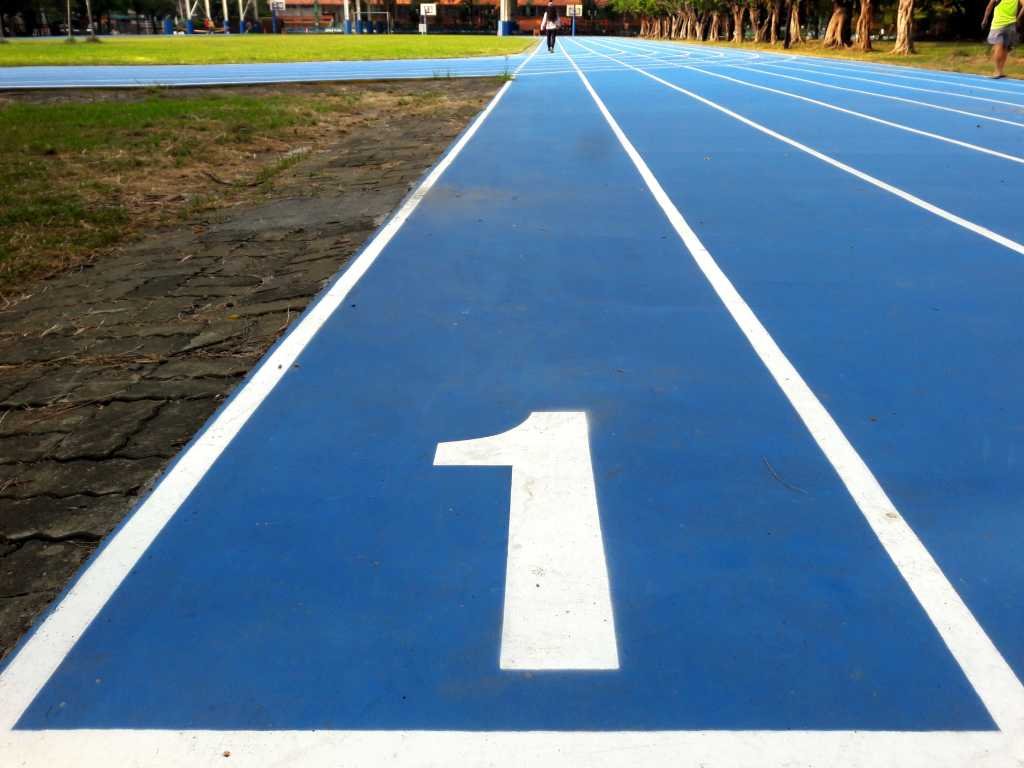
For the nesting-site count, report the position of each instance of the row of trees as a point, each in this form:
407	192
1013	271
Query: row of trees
34	15
850	22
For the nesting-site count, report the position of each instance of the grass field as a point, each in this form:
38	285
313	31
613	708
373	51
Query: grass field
70	171
81	173
235	49
955	57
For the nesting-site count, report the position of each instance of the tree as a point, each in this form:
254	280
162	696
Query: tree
837	33
739	11
755	20
794	36
716	23
904	28
92	27
864	26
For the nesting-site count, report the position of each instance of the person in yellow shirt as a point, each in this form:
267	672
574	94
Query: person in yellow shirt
1003	34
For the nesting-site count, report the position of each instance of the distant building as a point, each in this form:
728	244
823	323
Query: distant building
463	15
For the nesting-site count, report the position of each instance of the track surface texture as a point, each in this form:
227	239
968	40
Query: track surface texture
674	419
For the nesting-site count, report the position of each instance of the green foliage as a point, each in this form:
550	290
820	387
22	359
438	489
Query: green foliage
59	162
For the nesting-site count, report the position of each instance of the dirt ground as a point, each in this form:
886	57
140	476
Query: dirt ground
108	369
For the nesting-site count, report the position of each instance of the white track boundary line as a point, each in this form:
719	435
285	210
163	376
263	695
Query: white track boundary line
970	226
825	63
915	102
527	60
854	113
949	94
862	115
992	678
505	749
37	660
960	79
89	748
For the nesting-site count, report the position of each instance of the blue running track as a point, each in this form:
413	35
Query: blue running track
743	337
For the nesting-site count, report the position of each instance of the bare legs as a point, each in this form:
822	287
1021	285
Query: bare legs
999	54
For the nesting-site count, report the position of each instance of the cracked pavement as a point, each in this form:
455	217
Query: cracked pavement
107	371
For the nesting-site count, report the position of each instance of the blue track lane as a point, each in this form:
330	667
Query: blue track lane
325	575
909	327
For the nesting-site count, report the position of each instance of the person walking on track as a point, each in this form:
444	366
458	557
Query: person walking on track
1003	34
549	25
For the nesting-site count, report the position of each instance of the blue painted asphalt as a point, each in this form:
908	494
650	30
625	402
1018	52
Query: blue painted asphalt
241	74
908	327
325	575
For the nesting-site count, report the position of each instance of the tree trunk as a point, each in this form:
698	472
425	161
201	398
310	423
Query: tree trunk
835	36
904	29
864	26
739	11
88	14
794	22
701	21
755	21
3	37
713	32
773	23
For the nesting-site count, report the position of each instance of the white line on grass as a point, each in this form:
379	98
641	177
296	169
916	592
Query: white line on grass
37	660
992	678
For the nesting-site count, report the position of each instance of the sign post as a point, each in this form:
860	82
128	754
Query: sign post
505	10
275	6
426	9
573	11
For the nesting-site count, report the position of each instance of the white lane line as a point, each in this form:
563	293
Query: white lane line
505	749
890	97
527	60
862	115
37	660
854	113
962	84
970	226
964	80
992	678
558	604
828	73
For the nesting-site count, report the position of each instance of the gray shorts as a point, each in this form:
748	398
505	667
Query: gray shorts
1006	35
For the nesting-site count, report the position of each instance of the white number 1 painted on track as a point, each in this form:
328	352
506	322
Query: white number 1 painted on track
558	607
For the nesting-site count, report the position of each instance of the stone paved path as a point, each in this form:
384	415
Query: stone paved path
106	373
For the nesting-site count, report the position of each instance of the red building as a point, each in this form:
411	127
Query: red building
452	15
